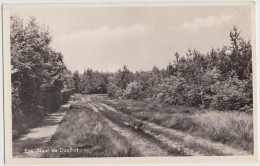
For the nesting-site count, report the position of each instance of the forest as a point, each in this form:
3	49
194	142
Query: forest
221	79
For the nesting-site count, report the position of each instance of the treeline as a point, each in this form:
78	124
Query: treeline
220	79
40	79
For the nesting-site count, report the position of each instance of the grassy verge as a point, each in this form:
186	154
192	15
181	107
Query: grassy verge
27	119
228	127
22	124
84	134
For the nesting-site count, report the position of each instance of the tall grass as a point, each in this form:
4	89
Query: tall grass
233	128
84	129
228	127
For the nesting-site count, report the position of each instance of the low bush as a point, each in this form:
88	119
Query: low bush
230	95
133	91
114	91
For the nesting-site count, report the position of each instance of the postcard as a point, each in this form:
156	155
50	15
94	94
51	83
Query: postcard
130	83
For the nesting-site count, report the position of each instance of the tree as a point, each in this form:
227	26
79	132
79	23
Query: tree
93	82
123	77
155	70
36	68
235	39
241	55
76	80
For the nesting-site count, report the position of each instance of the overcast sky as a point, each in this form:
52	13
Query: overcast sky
140	37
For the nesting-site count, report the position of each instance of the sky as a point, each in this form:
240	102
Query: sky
106	38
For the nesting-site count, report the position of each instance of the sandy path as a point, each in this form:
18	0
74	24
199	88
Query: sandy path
40	135
146	147
152	129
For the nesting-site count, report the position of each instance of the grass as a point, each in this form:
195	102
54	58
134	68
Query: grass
88	135
228	127
192	145
233	128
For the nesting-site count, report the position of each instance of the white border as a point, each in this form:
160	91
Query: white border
121	160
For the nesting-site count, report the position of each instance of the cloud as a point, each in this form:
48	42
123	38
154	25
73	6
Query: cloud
205	22
105	33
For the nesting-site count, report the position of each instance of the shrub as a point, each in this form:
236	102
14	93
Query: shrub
133	90
114	91
229	95
193	96
65	95
171	90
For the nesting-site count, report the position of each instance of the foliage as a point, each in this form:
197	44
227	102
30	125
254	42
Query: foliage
114	91
123	78
38	73
133	90
92	82
117	82
76	80
230	95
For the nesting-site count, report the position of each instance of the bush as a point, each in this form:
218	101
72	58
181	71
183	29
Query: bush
65	95
114	91
171	90
193	96
229	95
133	91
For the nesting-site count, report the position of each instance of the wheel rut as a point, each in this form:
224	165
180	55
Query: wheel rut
146	147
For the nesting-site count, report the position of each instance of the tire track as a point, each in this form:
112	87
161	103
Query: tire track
170	143
146	147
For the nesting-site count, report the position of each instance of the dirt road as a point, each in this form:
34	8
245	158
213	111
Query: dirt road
145	146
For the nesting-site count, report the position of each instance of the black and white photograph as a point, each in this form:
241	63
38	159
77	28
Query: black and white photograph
130	81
